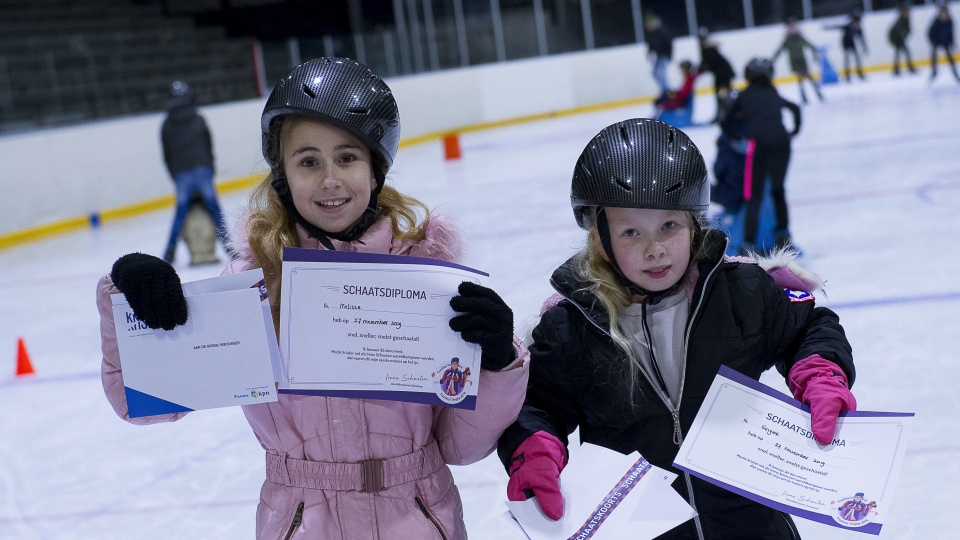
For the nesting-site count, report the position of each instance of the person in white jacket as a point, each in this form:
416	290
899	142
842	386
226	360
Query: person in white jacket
341	467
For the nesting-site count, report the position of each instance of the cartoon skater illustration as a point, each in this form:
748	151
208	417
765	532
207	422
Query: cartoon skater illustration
857	508
454	379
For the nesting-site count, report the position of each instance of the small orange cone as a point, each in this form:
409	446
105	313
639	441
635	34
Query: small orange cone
24	367
451	146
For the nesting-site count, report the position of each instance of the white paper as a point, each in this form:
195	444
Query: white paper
757	442
221	357
375	326
607	495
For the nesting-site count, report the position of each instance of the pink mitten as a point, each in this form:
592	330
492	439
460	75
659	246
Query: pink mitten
822	385
535	472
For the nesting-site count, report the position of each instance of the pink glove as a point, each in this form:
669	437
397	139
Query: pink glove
822	385
535	471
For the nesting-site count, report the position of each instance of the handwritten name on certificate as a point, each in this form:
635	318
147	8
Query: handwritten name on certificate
375	326
755	441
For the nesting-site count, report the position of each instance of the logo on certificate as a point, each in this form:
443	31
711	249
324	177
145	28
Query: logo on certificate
453	381
854	511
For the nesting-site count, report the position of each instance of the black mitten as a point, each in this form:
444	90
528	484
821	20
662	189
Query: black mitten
487	321
152	288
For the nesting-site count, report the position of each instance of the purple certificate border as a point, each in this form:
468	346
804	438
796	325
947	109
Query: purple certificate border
323	255
736	376
292	254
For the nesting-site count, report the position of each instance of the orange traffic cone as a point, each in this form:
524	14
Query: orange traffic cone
451	146
24	367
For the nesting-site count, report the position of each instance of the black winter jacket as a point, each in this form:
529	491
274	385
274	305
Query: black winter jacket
738	317
759	107
186	140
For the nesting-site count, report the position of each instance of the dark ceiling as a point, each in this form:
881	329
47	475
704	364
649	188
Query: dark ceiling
281	19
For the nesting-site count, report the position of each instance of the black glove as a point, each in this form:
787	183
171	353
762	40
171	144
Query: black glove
487	321
152	288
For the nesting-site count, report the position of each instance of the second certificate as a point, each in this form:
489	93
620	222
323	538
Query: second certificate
375	326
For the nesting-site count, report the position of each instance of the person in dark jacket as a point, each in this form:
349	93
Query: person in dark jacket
643	318
659	49
759	107
794	44
852	33
188	154
898	38
713	61
941	37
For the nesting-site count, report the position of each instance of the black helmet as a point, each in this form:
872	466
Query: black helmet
639	163
759	69
343	92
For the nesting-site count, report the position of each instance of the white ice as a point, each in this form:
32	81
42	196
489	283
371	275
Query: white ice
874	193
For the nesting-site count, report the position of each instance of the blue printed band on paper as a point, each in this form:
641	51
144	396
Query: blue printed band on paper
142	404
468	402
612	500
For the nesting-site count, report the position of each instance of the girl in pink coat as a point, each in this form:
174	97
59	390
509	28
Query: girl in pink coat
339	468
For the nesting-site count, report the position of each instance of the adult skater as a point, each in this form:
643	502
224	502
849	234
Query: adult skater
339	467
759	107
794	44
644	317
940	35
659	49
898	34
188	154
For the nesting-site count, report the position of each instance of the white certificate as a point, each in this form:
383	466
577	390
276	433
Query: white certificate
606	495
755	441
375	326
220	357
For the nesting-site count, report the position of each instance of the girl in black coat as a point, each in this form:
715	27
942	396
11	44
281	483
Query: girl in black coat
644	317
758	108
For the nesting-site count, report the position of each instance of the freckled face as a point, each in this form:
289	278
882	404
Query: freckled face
330	173
652	247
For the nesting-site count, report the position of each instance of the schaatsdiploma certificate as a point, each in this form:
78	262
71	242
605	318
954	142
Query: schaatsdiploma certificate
375	326
757	442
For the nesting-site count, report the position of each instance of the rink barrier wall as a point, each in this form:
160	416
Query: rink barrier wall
73	178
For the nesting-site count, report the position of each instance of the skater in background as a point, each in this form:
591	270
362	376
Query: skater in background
342	467
759	107
712	61
659	49
898	34
644	316
794	44
188	154
852	34
682	98
940	35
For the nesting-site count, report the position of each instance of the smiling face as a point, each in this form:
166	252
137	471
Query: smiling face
330	173
652	247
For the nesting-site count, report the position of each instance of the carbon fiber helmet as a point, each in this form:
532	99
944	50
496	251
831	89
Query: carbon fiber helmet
759	69
639	163
343	92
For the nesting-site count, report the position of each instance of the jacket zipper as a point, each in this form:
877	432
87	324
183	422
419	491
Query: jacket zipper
428	515
791	526
295	524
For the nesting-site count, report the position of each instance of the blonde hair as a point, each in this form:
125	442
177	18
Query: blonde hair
270	227
602	282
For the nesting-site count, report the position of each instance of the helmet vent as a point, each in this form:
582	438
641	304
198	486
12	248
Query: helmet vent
359	110
309	91
624	134
674	187
625	184
670	136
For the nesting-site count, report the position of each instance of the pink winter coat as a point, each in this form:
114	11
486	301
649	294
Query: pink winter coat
362	469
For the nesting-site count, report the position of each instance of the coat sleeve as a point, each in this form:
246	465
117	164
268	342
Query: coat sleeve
467	436
551	403
111	372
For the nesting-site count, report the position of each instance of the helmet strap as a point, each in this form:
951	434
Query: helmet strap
369	216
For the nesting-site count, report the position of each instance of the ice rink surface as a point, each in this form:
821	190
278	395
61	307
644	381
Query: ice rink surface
874	194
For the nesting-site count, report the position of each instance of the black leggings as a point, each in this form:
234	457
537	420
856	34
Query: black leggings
763	162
